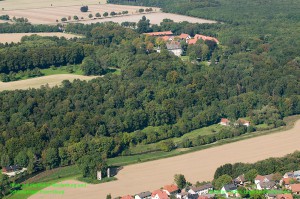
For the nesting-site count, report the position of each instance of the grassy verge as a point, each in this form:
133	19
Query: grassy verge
72	172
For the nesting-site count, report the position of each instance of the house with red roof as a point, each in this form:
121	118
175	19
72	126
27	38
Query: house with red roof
205	38
243	122
287	181
202	37
171	189
224	122
260	178
295	188
167	38
185	37
192	41
159	194
284	196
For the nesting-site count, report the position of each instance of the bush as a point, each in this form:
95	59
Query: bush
167	145
84	8
4	17
113	13
98	14
75	17
63	19
105	14
90	16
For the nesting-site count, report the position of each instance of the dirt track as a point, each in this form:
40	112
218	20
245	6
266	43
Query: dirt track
51	80
197	166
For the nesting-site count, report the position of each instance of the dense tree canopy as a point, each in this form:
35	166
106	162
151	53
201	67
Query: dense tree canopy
254	72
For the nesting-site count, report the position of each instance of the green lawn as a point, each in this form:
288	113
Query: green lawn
70	69
213	129
143	148
115	71
63	70
185	58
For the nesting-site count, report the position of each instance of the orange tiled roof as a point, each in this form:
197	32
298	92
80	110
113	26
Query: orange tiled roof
225	120
295	188
260	178
171	188
183	36
192	41
284	196
161	194
127	197
203	37
288	180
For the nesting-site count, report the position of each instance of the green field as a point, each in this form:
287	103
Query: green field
63	70
49	177
70	69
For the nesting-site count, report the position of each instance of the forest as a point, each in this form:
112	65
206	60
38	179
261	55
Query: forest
255	72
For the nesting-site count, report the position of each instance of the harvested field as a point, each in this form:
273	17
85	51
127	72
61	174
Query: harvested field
16	37
51	80
28	4
155	174
49	15
155	18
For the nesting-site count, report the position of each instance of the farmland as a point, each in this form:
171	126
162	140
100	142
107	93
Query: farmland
41	12
155	18
26	4
51	80
16	37
162	171
49	15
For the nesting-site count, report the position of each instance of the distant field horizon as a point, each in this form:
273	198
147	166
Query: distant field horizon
40	12
29	4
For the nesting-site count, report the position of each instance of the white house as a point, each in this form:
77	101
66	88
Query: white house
224	122
175	48
229	190
244	122
204	189
143	195
260	178
11	171
265	185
